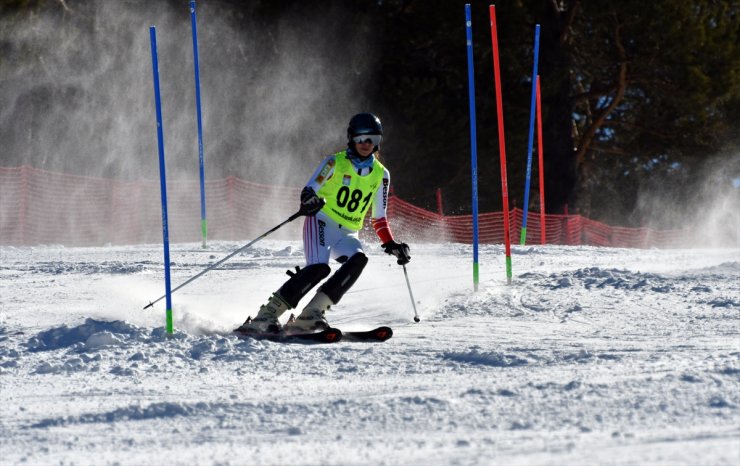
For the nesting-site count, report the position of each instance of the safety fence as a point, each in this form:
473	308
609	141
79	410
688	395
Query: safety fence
559	229
40	207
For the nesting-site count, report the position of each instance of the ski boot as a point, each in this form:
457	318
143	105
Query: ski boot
312	317
266	320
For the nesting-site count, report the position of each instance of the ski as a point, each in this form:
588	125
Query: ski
329	335
376	334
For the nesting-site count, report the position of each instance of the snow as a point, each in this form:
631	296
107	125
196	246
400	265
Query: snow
591	356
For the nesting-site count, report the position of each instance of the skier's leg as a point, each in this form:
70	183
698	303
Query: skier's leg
319	233
344	278
300	282
266	320
313	315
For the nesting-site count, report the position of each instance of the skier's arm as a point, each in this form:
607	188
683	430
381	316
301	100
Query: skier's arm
310	202
380	206
380	222
322	173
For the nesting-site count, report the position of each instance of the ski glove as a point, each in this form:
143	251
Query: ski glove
311	204
400	250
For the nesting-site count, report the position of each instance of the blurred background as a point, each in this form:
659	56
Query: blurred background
640	100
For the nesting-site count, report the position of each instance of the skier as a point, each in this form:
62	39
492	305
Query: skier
335	200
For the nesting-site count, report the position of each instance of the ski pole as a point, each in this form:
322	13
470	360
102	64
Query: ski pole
290	219
408	284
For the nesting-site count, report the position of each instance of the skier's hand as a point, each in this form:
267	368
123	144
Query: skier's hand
400	250
311	204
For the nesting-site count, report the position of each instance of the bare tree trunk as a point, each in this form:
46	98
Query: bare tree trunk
620	86
556	63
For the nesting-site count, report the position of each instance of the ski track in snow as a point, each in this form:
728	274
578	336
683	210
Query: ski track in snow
591	356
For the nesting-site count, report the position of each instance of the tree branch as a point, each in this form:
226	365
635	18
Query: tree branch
571	16
621	86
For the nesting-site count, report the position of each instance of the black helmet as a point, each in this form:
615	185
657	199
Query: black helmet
364	123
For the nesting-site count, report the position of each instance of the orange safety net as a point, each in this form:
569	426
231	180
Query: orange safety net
41	207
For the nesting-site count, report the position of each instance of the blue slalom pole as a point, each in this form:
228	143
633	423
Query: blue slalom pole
473	143
162	177
532	111
196	66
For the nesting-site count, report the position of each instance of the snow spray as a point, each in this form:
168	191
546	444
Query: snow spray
162	177
532	111
501	144
473	143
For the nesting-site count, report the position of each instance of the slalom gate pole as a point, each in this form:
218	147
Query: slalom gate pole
162	177
411	294
196	67
473	143
213	266
541	158
532	111
501	143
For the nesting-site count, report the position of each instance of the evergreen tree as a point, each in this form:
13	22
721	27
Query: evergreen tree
639	98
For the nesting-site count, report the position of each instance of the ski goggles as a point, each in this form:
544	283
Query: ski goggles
373	138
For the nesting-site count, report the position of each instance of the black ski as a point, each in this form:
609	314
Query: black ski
376	334
329	335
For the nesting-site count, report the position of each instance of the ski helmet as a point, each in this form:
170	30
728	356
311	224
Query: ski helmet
364	123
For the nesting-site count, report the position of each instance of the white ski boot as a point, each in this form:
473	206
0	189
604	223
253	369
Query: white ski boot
266	320
312	317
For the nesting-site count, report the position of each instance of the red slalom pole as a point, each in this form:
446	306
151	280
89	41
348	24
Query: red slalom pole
501	143
540	156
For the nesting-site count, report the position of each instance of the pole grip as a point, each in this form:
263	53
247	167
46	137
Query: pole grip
303	211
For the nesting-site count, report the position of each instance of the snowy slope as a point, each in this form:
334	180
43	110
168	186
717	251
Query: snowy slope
591	356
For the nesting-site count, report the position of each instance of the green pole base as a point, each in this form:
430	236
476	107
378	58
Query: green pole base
508	270
169	321
523	237
476	276
204	231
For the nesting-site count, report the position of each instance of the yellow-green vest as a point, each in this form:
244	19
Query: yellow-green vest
348	195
